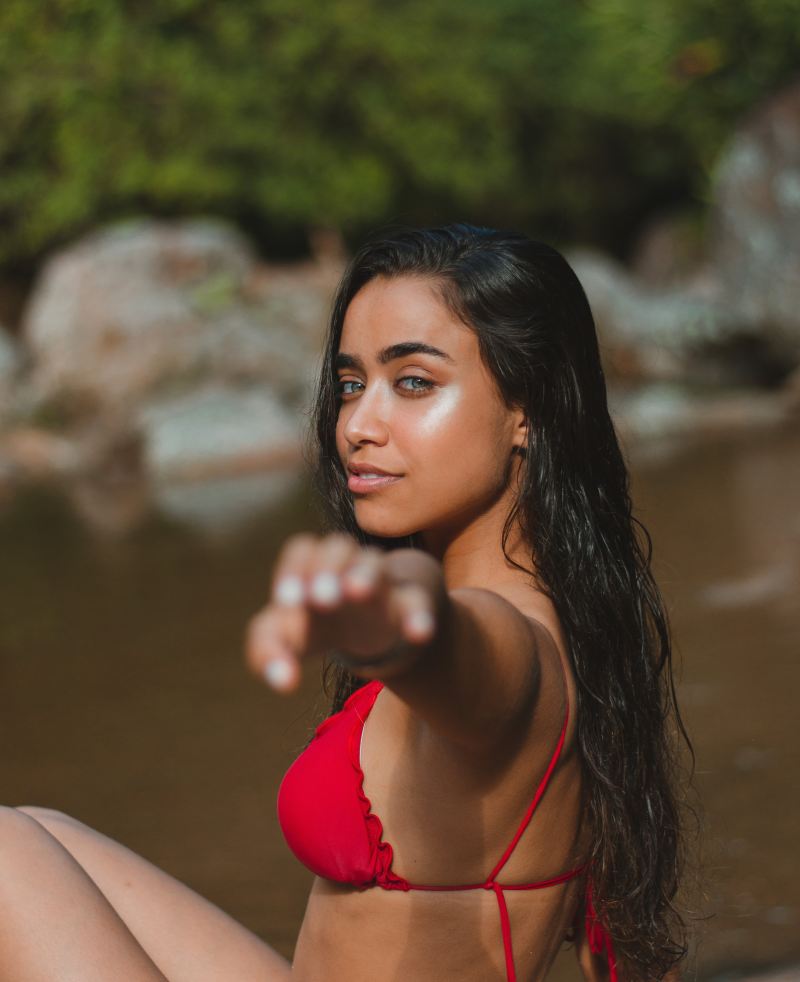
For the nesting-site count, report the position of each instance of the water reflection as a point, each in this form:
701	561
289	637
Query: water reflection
125	702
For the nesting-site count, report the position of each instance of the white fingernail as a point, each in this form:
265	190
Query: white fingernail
325	588
289	591
361	576
420	622
278	672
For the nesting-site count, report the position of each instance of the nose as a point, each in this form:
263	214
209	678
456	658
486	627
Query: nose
365	420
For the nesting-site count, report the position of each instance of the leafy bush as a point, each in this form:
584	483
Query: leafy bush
571	119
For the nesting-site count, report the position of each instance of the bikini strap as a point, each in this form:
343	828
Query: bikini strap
597	934
526	819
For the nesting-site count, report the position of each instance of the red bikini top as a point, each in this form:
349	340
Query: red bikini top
328	822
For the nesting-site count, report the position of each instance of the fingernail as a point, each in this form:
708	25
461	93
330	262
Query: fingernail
289	591
278	673
361	576
420	622
325	588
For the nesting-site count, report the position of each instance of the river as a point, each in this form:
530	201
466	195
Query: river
125	702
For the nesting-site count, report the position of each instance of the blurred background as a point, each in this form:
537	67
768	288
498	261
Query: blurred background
180	185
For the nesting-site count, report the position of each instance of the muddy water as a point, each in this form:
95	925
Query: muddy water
123	698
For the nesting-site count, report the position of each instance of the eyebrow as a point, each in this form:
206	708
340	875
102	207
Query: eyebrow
391	353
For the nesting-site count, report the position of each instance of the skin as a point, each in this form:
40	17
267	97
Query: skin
471	708
476	705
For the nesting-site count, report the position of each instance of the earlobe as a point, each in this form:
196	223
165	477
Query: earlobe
522	448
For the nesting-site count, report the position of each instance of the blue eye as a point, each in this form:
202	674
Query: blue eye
415	378
424	385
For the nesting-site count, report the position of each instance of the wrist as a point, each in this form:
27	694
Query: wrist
395	660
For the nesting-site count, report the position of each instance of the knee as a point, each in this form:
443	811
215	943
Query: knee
13	818
49	818
18	831
42	814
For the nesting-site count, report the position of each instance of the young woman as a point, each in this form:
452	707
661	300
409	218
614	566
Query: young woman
496	776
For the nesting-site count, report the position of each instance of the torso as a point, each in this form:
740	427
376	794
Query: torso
449	819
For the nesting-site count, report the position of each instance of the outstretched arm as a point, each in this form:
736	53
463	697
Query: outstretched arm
465	660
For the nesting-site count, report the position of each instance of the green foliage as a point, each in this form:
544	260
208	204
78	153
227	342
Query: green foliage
565	117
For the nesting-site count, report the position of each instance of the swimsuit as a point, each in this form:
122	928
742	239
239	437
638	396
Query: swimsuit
328	822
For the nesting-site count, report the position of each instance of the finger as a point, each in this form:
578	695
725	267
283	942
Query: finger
268	650
291	570
283	674
331	558
364	573
414	609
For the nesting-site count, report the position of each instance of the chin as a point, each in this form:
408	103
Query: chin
384	528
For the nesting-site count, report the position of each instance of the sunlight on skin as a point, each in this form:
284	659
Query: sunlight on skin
450	436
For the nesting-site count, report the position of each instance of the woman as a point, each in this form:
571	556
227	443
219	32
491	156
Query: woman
496	774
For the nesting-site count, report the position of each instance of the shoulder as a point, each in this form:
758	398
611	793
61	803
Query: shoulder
557	691
533	661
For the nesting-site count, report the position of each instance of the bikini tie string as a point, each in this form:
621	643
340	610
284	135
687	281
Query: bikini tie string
598	937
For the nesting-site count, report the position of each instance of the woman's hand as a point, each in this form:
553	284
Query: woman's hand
331	593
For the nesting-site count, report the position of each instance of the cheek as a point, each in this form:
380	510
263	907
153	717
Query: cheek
443	420
461	423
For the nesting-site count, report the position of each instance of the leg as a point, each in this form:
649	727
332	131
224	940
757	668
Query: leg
99	911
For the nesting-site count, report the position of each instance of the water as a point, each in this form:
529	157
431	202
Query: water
125	701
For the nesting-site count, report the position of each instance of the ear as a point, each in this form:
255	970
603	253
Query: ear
520	438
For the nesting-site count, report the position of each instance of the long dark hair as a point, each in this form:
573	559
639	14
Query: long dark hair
536	334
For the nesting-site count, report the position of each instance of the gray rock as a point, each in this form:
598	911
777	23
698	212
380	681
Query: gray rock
215	431
627	312
670	250
217	456
145	305
735	316
756	219
651	419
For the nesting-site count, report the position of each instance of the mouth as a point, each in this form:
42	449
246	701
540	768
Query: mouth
361	483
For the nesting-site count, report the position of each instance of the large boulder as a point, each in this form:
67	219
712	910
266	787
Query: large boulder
217	455
755	243
656	333
150	305
729	311
215	430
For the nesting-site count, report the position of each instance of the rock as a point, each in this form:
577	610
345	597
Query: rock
669	252
655	334
651	418
216	457
136	308
727	312
683	333
213	431
35	454
756	219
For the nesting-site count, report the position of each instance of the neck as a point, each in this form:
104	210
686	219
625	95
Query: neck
471	551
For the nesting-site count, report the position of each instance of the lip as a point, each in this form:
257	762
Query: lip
361	485
362	467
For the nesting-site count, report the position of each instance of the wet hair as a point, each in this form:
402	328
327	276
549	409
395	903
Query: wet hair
589	554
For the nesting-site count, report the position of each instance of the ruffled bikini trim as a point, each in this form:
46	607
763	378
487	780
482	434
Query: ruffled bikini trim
381	853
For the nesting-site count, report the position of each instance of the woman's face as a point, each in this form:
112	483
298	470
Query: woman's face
434	420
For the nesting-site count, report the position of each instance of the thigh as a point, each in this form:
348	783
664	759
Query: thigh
54	922
186	936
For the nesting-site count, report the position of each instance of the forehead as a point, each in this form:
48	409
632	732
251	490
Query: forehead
406	308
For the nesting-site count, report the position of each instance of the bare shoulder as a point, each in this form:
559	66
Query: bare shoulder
556	677
480	674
